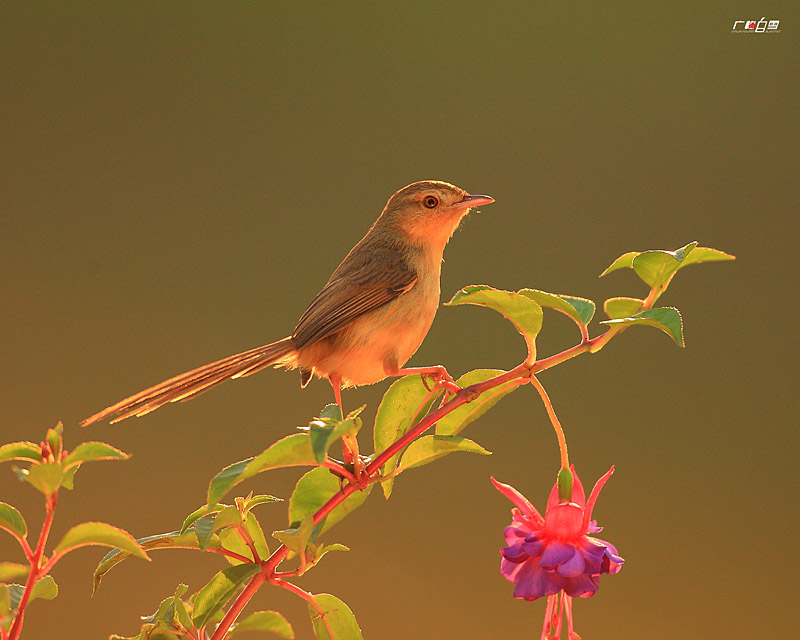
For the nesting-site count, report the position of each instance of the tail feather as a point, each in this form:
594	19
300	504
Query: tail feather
192	383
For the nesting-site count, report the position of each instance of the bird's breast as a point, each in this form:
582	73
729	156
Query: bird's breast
360	352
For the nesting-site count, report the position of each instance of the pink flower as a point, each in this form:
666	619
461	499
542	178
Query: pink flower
554	553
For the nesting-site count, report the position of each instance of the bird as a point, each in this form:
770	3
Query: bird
366	322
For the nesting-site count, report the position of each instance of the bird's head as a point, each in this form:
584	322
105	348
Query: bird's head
429	211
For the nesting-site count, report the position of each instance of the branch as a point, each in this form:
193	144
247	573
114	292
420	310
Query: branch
36	568
521	374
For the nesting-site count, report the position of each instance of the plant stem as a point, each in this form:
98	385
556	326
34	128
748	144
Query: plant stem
239	604
518	375
562	441
248	541
305	595
36	566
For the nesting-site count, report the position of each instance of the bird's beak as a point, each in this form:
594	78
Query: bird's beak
472	201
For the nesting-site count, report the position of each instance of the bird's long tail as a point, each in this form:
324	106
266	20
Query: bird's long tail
192	383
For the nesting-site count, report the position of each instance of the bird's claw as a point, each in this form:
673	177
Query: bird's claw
441	380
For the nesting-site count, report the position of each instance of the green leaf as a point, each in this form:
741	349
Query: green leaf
55	440
668	319
429	448
331	411
231	539
195	515
296	538
203	528
622	307
625	260
656	268
583	306
580	310
20	451
5	607
523	312
402	406
456	420
226	479
316	551
164	613
11	570
261	499
313	490
706	254
184	619
256	533
68	479
46	477
291	451
168	610
269	621
336	622
212	597
101	534
228	517
324	433
173	540
90	451
12	521
44	589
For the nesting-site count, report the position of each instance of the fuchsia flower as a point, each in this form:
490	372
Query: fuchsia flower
548	555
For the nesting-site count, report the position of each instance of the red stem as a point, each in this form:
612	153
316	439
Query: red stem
26	548
305	595
338	469
239	604
248	541
36	568
519	375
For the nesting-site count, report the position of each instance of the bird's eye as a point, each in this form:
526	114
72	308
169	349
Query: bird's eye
431	202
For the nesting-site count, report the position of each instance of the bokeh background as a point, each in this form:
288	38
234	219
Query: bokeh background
181	178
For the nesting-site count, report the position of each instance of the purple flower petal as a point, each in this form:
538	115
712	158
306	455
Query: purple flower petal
535	583
611	564
510	570
594	546
593	528
572	567
533	546
544	556
611	561
514	534
593	564
514	553
556	553
611	548
581	586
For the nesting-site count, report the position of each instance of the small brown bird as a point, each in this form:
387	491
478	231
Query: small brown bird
368	320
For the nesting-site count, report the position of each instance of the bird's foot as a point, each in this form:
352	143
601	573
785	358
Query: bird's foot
355	461
439	375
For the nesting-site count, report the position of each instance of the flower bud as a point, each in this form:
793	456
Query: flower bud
565	485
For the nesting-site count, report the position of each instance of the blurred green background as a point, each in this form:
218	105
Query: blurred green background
181	178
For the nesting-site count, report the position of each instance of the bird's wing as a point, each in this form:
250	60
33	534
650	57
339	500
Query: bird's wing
356	287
